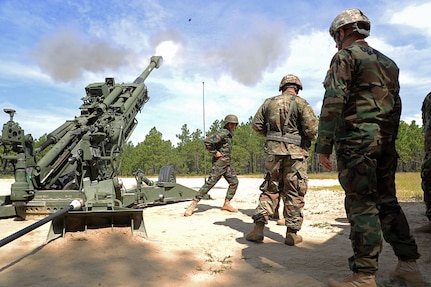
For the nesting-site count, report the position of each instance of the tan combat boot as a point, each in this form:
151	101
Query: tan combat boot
292	238
281	221
226	206
356	280
191	208
424	229
408	272
256	234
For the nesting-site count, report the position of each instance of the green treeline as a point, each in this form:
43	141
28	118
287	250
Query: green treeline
189	156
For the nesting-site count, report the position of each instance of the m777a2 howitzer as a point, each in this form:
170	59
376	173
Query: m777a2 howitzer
75	183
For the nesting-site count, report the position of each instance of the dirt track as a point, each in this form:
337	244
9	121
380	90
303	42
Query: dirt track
206	249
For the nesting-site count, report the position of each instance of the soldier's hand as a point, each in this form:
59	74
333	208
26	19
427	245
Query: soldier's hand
217	154
325	161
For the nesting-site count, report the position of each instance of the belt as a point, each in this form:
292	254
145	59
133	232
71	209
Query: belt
287	138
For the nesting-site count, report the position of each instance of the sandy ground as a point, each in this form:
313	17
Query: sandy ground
207	249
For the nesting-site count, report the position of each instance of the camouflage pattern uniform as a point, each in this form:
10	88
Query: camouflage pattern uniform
286	163
220	141
360	118
426	164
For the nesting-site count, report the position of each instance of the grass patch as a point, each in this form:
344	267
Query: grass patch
221	264
324	225
331	187
323	175
408	185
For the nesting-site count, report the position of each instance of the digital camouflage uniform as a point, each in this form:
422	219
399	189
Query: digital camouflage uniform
286	163
426	164
360	118
220	141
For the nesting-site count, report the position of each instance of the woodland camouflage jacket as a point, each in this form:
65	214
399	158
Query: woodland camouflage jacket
220	141
361	106
426	120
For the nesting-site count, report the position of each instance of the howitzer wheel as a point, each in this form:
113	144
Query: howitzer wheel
167	174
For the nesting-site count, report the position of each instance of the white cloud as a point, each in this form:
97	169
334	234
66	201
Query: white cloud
416	16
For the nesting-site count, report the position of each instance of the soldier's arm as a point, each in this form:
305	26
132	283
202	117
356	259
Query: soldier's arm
309	122
212	142
336	85
258	122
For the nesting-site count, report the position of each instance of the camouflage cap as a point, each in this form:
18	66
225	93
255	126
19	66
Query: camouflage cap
290	79
351	16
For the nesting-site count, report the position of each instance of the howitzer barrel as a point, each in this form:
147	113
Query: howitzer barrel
133	104
75	204
155	62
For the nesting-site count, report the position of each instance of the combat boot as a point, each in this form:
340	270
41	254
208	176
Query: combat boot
424	229
226	206
256	234
191	208
281	221
292	238
356	280
408	272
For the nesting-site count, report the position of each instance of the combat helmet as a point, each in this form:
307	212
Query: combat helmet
292	80
351	16
230	119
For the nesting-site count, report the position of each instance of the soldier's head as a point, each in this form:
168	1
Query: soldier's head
230	122
290	81
350	24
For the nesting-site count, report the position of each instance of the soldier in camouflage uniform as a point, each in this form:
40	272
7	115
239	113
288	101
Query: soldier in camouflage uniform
360	118
220	146
426	164
289	125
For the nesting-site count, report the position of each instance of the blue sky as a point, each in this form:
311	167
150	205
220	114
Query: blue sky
228	54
